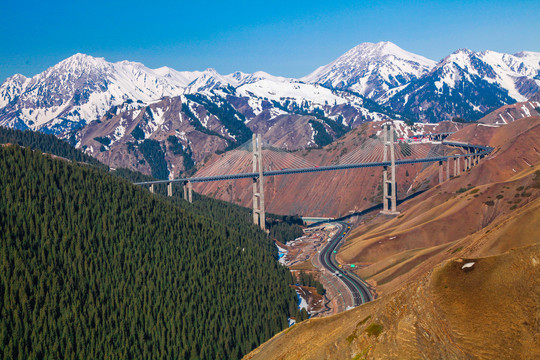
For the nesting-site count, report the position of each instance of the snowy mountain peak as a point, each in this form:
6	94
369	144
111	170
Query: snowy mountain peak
12	88
208	81
463	51
518	74
239	78
381	49
528	54
371	69
80	61
20	78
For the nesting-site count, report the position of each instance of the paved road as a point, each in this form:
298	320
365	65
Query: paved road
358	289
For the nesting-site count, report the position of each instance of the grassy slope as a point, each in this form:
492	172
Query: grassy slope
488	312
400	249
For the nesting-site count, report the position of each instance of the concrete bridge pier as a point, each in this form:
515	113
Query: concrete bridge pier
188	191
152	188
448	169
389	185
259	214
458	165
169	189
440	172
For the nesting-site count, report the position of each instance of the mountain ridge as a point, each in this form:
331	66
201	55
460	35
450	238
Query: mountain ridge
57	99
384	64
373	82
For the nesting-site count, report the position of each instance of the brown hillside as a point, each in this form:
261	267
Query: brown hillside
510	113
390	252
490	310
432	306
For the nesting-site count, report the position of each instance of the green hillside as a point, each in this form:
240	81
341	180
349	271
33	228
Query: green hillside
93	267
46	143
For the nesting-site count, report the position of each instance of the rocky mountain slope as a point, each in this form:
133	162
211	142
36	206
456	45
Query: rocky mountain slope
372	69
185	129
468	84
510	113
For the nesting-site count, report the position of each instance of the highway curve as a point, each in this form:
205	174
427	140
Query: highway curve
358	289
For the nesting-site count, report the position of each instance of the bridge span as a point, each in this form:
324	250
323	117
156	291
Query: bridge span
470	158
484	150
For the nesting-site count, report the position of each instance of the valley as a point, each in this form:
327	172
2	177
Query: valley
155	213
436	282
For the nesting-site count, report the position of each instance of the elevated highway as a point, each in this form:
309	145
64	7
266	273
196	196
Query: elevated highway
479	151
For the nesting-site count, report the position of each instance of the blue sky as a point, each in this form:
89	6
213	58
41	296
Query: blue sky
287	38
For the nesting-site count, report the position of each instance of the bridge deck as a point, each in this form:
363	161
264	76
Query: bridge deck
484	150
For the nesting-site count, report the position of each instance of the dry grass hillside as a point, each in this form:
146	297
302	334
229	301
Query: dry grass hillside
488	311
391	251
513	112
430	305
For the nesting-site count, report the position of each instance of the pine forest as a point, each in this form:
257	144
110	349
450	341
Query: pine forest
92	266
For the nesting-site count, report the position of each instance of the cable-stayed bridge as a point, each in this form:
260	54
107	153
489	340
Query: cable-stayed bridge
256	160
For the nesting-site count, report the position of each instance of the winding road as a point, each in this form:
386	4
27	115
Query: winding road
360	292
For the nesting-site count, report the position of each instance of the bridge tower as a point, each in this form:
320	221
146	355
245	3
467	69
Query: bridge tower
389	185
259	215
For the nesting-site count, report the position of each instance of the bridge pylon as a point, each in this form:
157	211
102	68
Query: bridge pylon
259	215
188	191
389	184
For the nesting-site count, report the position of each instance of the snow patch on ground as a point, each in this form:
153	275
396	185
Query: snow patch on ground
158	116
119	132
281	254
526	111
302	303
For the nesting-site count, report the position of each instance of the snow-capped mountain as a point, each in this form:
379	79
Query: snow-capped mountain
468	84
117	111
81	89
110	109
372	69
